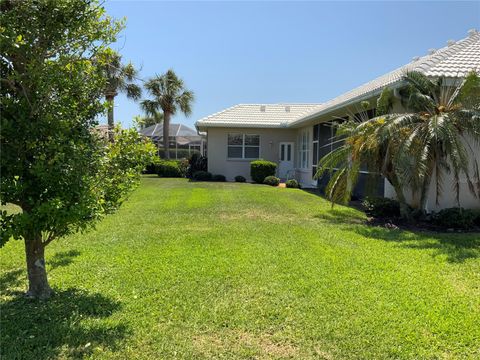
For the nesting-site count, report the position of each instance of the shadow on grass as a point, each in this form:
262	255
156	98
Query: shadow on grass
457	247
63	258
70	323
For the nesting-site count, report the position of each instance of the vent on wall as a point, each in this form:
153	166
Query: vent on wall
287	108
262	108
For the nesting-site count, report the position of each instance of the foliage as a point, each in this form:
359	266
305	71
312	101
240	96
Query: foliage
168	95
53	165
381	207
455	218
260	169
202	176
142	122
197	162
240	179
292	183
271	180
429	141
219	178
123	163
168	168
220	255
385	102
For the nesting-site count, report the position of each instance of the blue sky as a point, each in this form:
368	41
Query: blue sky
268	52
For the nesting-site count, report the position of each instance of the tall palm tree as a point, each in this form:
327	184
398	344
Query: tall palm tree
120	78
435	137
169	94
143	121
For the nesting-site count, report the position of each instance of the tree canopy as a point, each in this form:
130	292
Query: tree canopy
53	165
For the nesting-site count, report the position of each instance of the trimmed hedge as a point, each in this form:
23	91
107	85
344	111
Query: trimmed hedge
260	169
219	178
202	176
271	180
168	169
293	184
381	207
240	178
456	218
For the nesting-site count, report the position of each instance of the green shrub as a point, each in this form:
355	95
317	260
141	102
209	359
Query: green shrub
381	207
168	169
240	178
292	184
197	162
218	177
202	176
455	218
271	180
260	169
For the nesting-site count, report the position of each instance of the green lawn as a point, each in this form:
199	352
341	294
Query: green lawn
240	271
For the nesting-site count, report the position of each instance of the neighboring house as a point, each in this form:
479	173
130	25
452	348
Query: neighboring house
296	136
183	140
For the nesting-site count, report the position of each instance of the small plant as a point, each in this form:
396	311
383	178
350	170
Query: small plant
196	163
168	169
151	167
202	176
219	178
260	169
271	180
292	183
240	178
455	218
381	207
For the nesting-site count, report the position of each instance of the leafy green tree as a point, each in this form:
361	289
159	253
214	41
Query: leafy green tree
53	164
436	136
120	78
169	95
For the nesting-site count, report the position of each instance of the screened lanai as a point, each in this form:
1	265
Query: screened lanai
184	141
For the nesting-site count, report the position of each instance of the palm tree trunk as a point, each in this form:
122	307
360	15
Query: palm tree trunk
405	212
111	122
166	133
38	286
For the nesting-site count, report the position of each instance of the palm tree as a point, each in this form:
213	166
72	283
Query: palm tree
432	139
169	95
143	121
442	121
120	78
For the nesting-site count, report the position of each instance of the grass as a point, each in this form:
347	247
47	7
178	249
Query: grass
239	271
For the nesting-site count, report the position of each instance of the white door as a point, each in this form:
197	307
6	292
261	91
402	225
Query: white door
285	164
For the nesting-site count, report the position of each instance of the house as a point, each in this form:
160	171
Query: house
296	136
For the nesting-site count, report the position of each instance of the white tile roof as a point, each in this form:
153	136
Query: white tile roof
454	60
257	115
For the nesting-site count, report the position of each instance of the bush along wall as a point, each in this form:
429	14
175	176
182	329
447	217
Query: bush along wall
260	169
168	169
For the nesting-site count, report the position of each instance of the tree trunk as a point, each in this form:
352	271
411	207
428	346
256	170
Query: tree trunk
166	133
37	275
111	122
405	212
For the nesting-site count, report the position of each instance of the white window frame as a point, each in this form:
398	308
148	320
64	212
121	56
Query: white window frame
304	149
243	146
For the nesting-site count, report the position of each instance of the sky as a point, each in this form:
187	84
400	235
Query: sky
278	52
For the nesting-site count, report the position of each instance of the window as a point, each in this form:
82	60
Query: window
243	146
303	149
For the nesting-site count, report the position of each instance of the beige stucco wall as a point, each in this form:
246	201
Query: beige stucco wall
218	163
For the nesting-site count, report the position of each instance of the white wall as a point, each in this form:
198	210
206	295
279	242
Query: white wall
217	139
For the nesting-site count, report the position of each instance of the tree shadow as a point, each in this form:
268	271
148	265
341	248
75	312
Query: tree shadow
71	323
457	247
63	258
